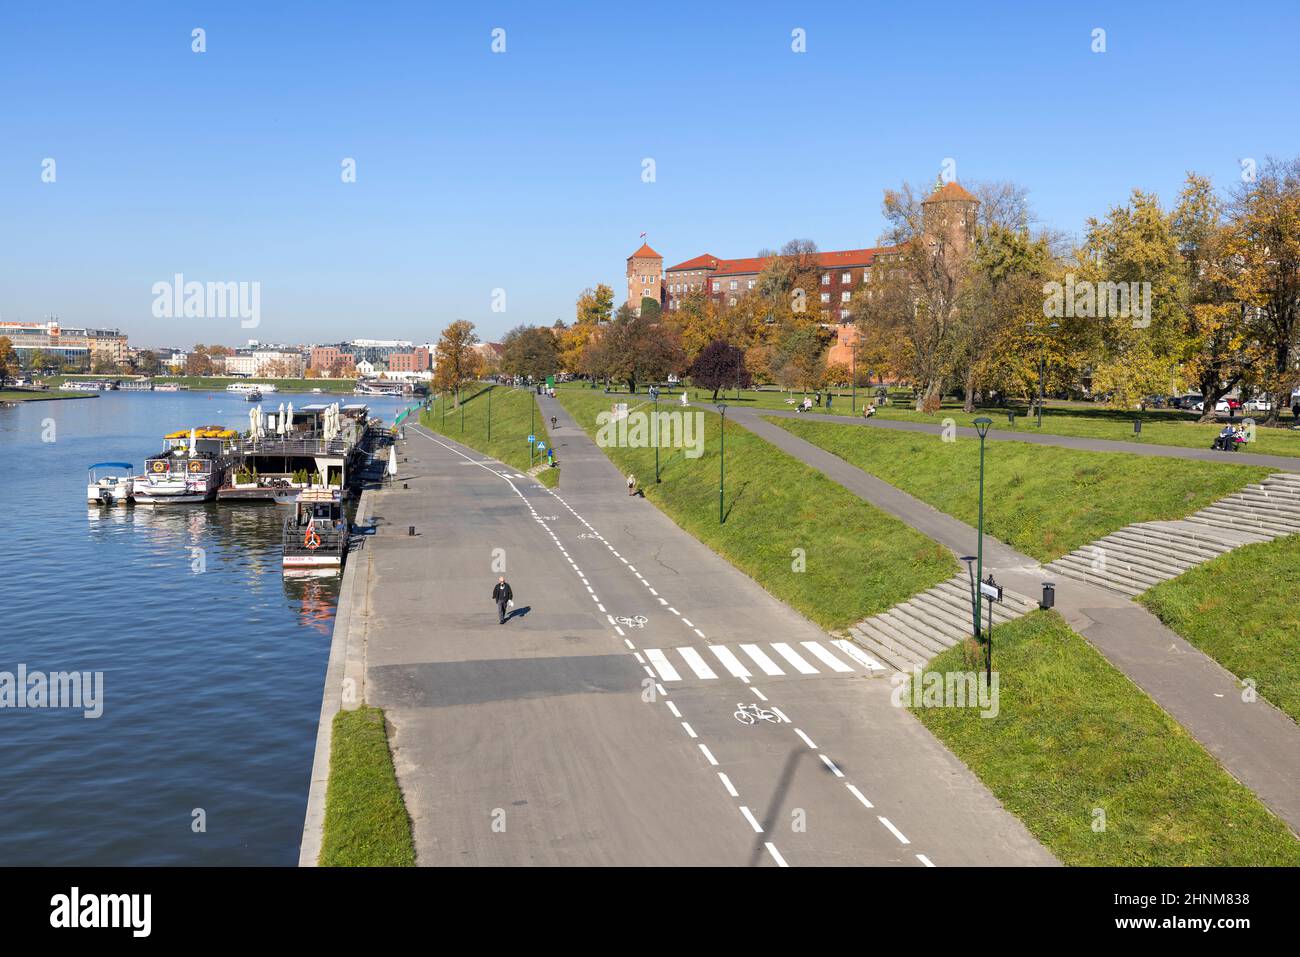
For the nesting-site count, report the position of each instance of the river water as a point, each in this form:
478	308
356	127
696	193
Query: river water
212	662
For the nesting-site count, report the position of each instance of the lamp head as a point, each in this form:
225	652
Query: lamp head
722	408
982	425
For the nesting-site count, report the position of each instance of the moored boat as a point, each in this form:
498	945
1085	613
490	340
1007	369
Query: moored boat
316	535
190	468
110	483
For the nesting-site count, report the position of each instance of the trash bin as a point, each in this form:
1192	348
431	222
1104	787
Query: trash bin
1049	595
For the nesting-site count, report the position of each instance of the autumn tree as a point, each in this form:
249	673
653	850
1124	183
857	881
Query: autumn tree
718	366
633	348
8	359
456	359
530	351
1263	241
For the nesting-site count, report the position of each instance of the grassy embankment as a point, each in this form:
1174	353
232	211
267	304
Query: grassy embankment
366	824
859	561
23	395
218	383
1241	610
514	412
1042	500
1082	420
1074	739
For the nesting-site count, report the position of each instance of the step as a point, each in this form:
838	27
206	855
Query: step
1158	552
1145	557
1257	526
1118	566
1285	478
1192	536
1181	549
920	629
921	647
888	655
1253	519
1282	495
1265	510
1092	579
1112	577
901	657
1012	604
941	630
931	607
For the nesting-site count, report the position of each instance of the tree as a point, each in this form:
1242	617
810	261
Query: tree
632	349
148	363
697	321
530	351
457	361
1263	240
8	359
800	360
595	305
718	366
198	362
38	361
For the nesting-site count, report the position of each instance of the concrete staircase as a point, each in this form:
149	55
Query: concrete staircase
912	633
1139	556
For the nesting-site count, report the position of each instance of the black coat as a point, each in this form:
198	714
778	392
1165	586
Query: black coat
502	592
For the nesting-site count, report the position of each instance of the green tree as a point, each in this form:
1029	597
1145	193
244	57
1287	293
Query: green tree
8	359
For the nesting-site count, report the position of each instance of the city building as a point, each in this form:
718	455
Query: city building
79	347
328	360
419	359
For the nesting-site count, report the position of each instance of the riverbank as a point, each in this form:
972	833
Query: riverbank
23	395
196	383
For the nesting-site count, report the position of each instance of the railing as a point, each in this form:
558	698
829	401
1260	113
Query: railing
274	445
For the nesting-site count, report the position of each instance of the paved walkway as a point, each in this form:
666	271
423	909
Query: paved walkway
1254	741
1283	462
598	725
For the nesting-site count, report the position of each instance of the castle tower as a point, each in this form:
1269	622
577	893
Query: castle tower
951	212
645	271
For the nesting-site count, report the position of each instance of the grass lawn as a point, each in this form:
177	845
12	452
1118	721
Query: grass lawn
1083	420
859	561
1042	500
514	412
1242	610
1072	735
23	395
366	824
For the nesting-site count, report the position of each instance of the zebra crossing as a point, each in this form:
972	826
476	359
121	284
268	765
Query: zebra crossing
771	659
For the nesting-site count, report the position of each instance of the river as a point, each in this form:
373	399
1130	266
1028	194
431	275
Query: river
212	662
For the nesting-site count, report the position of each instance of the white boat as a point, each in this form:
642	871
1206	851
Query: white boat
190	469
316	535
251	387
110	483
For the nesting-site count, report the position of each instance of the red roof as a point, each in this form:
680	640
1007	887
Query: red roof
835	259
950	191
705	261
645	252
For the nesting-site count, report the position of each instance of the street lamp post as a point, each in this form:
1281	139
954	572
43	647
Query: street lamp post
654	435
853	376
1042	373
722	458
489	415
982	427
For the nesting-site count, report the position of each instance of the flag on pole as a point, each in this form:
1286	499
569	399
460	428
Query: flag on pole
643	235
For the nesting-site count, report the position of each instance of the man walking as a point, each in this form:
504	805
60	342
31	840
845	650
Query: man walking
502	595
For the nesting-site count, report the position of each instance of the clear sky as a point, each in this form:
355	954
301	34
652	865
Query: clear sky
522	170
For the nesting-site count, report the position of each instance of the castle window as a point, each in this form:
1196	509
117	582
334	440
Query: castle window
847	277
826	279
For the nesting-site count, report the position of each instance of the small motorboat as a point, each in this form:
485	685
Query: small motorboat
110	483
316	536
252	397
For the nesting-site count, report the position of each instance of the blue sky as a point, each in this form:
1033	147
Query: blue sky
522	171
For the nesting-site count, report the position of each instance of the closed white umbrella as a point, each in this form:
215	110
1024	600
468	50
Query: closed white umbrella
279	420
288	422
194	438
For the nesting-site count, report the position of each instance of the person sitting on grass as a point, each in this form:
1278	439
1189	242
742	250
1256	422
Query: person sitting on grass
869	411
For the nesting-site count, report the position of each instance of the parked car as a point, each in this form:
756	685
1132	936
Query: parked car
1260	403
1221	407
1190	401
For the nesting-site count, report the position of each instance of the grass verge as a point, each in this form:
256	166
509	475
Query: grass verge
1041	500
811	543
23	395
1241	610
366	824
514	412
1074	739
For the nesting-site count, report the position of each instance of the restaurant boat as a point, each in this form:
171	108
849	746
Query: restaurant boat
190	469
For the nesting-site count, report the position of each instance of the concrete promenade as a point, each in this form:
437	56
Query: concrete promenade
602	724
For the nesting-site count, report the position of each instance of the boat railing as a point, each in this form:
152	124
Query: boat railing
332	538
275	445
